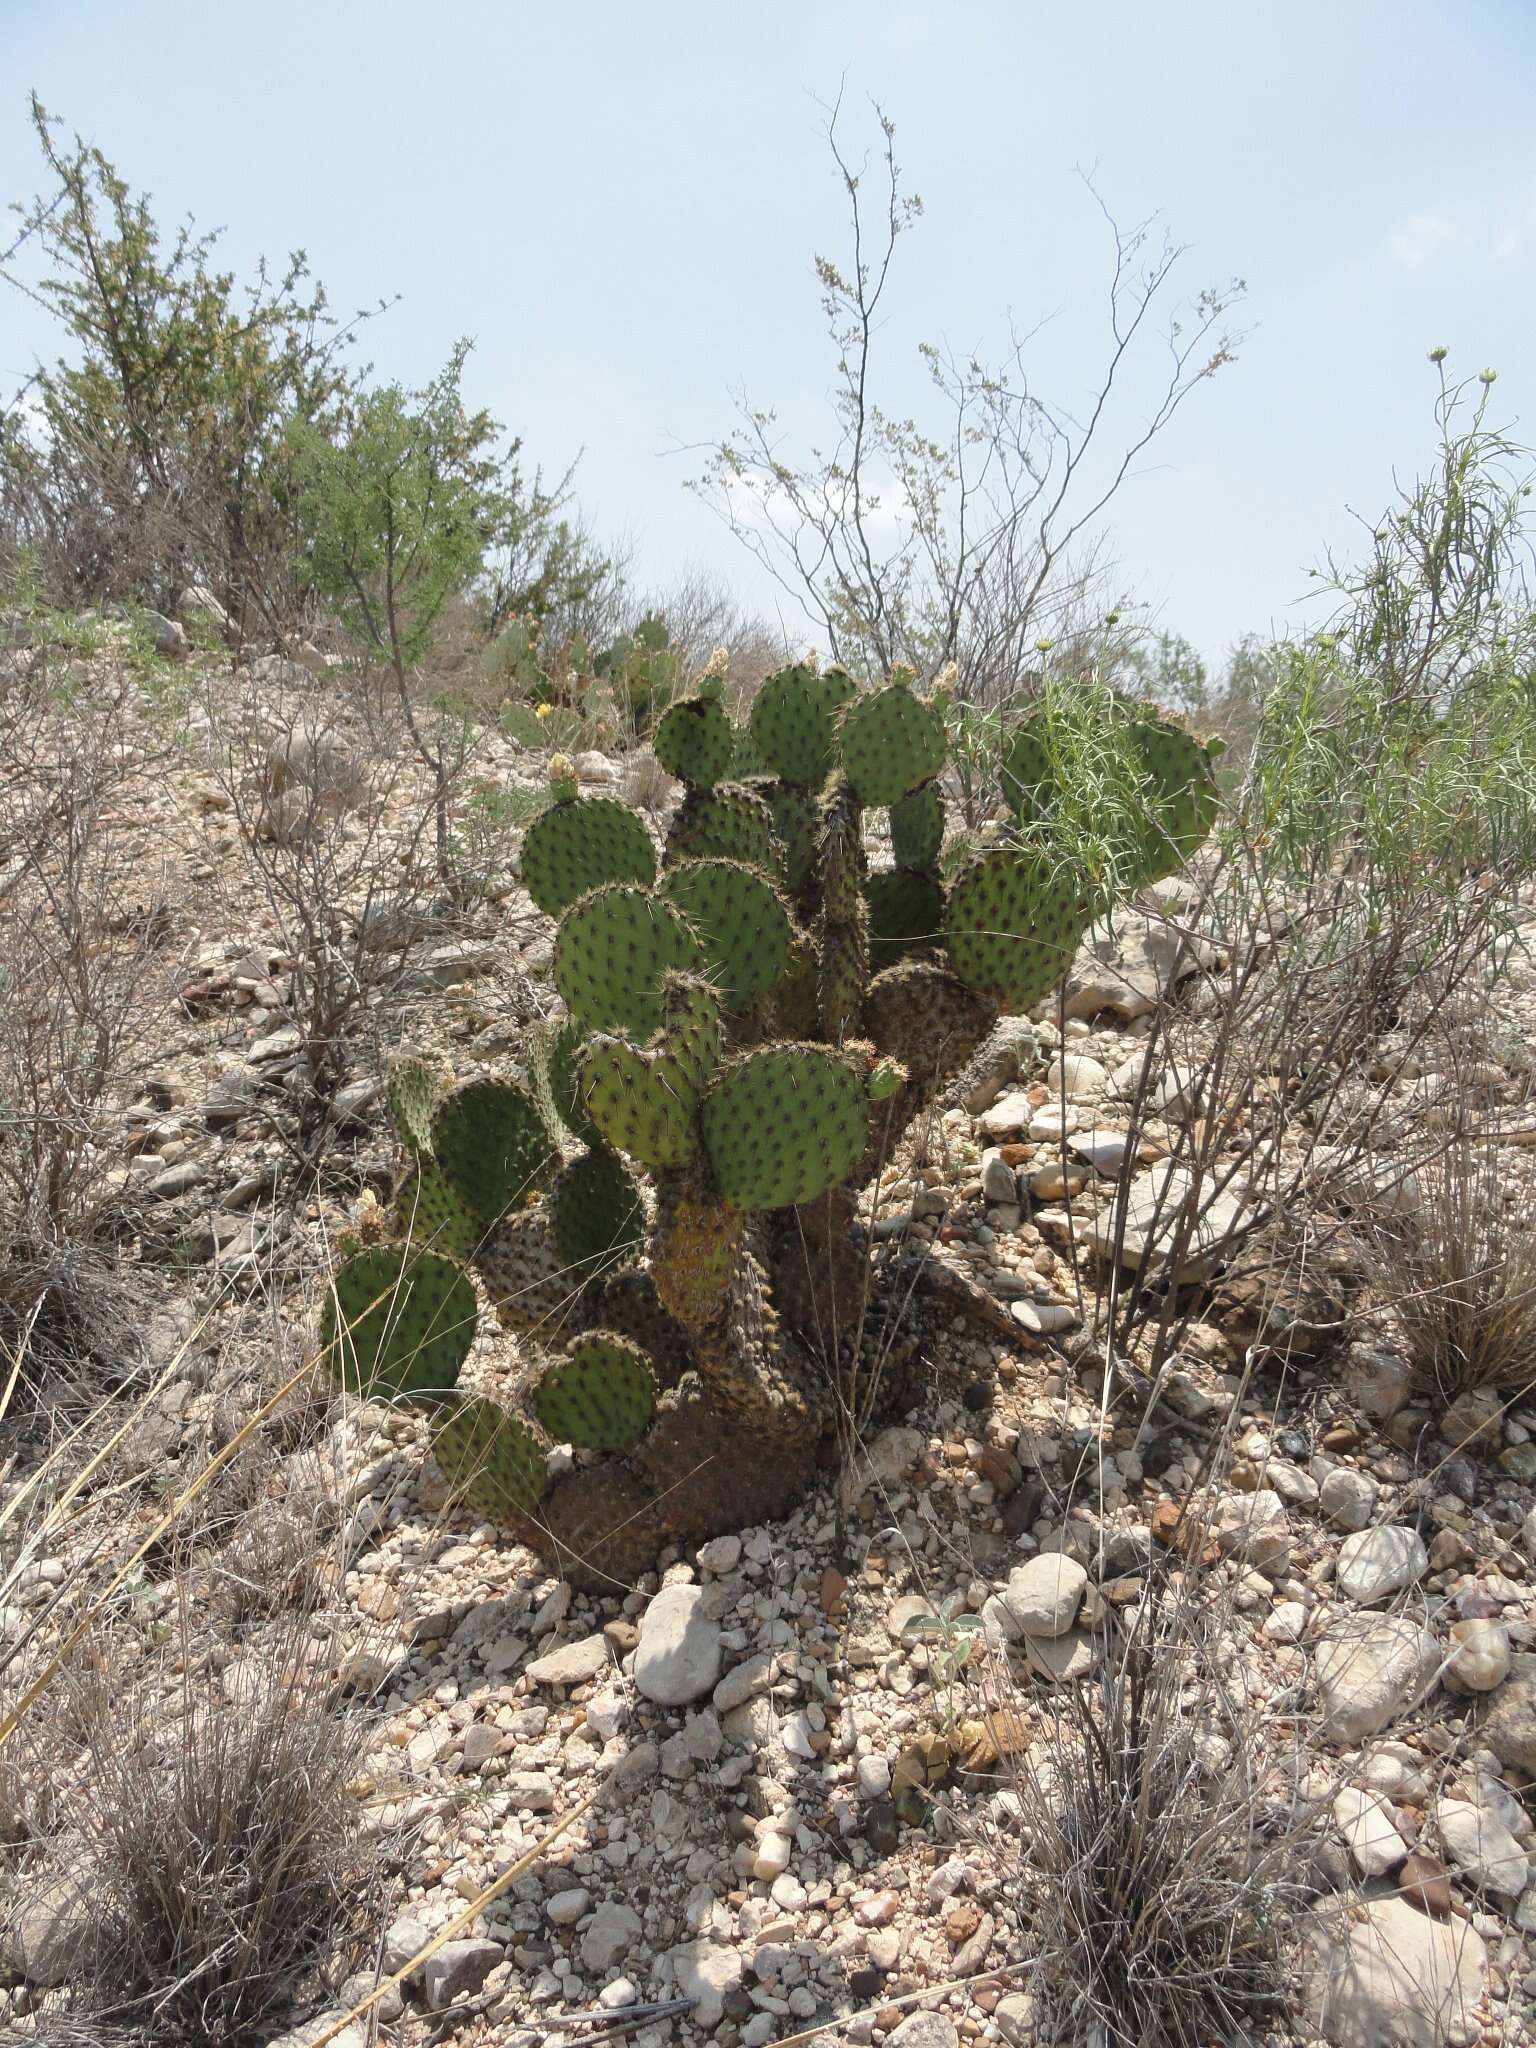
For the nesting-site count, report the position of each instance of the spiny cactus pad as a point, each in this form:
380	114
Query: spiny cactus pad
600	1396
917	827
491	1460
398	1322
696	741
579	845
728	823
783	1124
430	1212
412	1093
614	950
596	1214
1013	923
794	722
744	927
696	1248
530	1286
797	826
1026	772
493	1146
1184	795
891	742
554	1054
906	914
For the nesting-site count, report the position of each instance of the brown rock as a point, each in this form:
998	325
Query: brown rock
1425	1883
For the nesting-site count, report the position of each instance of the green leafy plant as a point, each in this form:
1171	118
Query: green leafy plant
753	1019
951	1637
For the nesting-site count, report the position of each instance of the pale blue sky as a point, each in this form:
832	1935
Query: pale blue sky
620	203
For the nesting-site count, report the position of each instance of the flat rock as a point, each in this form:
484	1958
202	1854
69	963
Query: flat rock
572	1664
1376	1563
678	1656
1155	1230
1365	1822
609	1935
1252	1527
709	1972
1061	1659
457	1969
1387	1976
1509	1726
1368	1672
924	2030
1044	1318
1348	1498
1128	966
1481	1849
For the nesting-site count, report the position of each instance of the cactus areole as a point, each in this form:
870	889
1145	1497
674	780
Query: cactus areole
666	1211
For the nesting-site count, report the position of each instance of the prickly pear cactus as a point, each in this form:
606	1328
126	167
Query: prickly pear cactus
666	1214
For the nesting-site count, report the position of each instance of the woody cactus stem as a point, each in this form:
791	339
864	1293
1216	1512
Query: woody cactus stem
753	1019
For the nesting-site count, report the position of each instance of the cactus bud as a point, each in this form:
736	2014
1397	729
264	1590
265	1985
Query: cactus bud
562	778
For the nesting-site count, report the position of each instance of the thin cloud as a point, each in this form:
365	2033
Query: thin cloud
1422	238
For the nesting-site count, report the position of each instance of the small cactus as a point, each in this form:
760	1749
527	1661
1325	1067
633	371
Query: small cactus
666	1212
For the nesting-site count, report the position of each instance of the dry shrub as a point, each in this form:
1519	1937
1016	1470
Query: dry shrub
211	1847
1158	1884
1459	1267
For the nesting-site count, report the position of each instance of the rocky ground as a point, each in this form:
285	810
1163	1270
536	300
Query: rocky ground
805	1813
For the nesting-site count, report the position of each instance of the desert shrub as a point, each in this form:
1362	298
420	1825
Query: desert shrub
207	1847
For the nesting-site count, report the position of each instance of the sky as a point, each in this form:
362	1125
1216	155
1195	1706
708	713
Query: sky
620	206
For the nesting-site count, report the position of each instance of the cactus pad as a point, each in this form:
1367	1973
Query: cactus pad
906	914
580	844
783	1124
398	1322
797	827
596	1215
695	1250
614	950
529	1285
491	1460
553	1076
646	1103
696	741
429	1212
891	742
794	722
493	1146
745	929
412	1093
728	823
1183	795
1014	922
1026	773
600	1396
917	827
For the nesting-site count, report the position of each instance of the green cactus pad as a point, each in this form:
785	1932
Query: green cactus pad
493	1146
842	976
906	914
613	952
1014	922
1026	773
797	827
491	1460
554	1054
917	828
696	741
646	1103
398	1323
745	929
795	1008
596	1214
600	1396
783	1124
891	742
728	823
1183	795
579	845
794	722
430	1212
746	757
529	1285
412	1093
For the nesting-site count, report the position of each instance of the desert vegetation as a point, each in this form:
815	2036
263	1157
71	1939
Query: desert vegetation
729	1340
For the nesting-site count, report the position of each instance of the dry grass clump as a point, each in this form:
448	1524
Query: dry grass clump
1459	1269
1155	1890
207	1847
